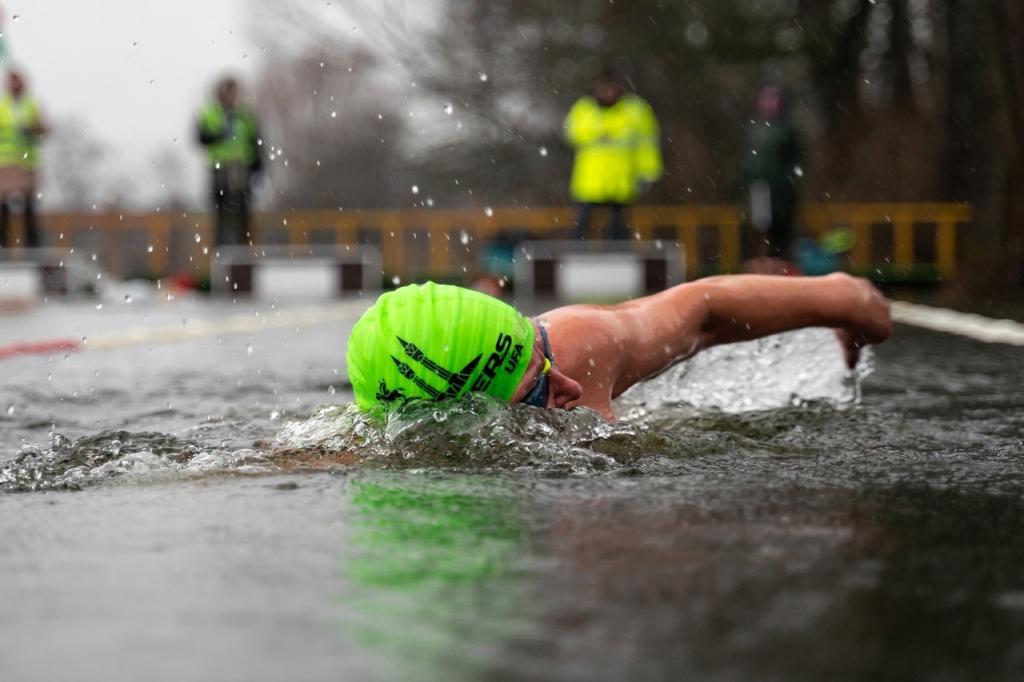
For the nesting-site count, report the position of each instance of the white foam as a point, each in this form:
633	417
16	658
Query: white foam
784	370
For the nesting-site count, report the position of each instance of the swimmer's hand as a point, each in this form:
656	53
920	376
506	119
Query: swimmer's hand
851	346
871	322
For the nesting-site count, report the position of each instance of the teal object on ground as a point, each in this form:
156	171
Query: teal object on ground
812	259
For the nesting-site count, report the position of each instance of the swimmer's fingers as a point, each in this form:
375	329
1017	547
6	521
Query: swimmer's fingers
851	343
875	321
871	322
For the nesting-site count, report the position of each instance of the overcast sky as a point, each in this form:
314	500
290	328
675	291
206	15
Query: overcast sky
133	71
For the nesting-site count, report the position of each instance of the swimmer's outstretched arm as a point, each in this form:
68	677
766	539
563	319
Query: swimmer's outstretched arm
749	307
607	349
681	321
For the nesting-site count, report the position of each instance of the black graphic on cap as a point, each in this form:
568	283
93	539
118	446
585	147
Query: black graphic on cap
456	380
386	395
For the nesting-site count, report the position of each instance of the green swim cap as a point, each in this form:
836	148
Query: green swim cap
436	341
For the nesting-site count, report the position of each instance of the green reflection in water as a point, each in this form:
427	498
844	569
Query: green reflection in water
438	573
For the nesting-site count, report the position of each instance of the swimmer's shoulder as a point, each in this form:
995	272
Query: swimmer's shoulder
573	325
584	336
586	344
615	346
678	309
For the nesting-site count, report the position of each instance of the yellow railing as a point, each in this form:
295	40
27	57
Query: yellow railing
913	234
897	237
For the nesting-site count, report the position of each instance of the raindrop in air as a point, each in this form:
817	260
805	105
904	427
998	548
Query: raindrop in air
488	211
448	108
543	151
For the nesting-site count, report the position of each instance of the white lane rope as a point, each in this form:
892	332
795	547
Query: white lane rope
973	326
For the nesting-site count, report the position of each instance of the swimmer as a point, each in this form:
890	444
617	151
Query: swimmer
436	341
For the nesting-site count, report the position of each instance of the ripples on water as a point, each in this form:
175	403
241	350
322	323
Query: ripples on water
726	400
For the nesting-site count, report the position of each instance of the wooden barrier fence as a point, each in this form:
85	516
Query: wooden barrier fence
897	240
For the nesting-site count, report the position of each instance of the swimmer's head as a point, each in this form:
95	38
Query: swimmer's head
436	341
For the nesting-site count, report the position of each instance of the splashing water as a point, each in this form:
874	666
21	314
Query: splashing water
727	399
72	465
799	372
786	370
477	432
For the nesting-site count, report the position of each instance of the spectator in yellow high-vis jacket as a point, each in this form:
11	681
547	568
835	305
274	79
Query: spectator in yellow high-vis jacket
615	135
21	130
230	133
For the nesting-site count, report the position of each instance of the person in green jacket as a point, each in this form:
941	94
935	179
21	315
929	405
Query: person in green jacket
230	133
21	130
615	135
770	177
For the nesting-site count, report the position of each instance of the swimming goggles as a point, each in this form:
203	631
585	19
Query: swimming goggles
538	396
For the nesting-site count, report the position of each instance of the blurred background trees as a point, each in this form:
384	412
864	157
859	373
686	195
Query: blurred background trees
901	100
329	118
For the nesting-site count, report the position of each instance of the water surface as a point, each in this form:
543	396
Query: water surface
210	510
